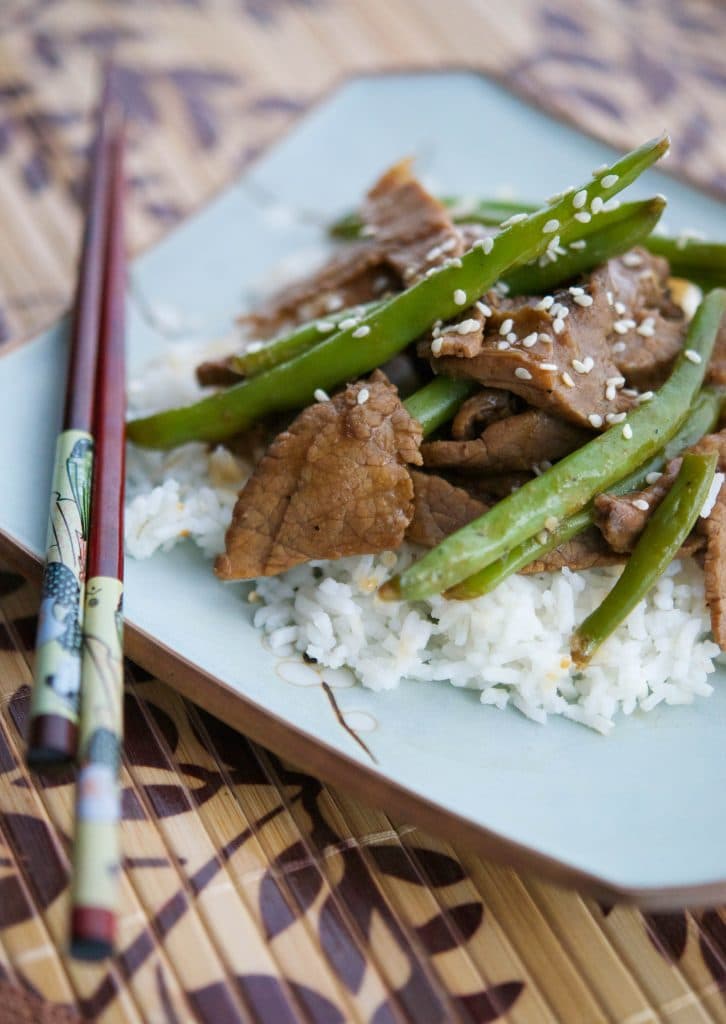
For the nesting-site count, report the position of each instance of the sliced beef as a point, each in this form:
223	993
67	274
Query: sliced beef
585	551
489	487
716	373
619	518
556	359
647	327
336	483
483	408
408	232
217	373
515	444
714	568
440	509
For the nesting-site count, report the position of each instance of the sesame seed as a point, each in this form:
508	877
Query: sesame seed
692	356
548	366
623	326
530	340
350	321
551	523
579	199
611	204
596	205
460	297
646	396
363	396
641	503
576	290
583	300
502	345
620	309
321	396
578	366
467	326
501	288
567	379
433	253
653	478
619	346
514	219
630	392
543	536
609	180
610	392
545	339
506	326
522	373
583	216
360	332
487	245
558	325
550	226
595	420
333	303
646	327
617	382
512	337
627	432
455	261
436	346
632	259
599	170
609	297
448	245
483	308
431	271
325	326
545	302
579	243
615	417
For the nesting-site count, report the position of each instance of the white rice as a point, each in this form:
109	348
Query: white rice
512	645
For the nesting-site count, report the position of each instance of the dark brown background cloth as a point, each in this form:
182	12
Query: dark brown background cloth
250	891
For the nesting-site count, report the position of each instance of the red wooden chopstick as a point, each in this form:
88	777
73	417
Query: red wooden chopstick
96	855
53	729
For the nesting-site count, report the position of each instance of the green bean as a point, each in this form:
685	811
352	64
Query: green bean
389	328
701	420
659	543
437	401
261	356
572	482
614	233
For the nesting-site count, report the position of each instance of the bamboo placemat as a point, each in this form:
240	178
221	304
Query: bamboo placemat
250	890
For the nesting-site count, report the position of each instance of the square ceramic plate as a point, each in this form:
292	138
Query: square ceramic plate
636	814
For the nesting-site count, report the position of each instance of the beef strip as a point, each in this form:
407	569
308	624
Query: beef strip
485	407
651	326
565	368
620	521
716	373
408	232
334	484
217	374
585	551
514	444
714	567
440	509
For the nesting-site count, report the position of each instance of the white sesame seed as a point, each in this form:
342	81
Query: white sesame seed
514	219
550	226
627	432
595	419
321	396
502	345
617	382
558	325
619	346
467	326
579	199
611	204
599	170
641	503
567	379
448	245
483	308
548	366
583	300
623	326
583	216
522	373
632	259
433	253
487	245
436	346
620	309
615	417
360	332
431	271
545	303
545	339
692	356
501	288
506	326
610	392
455	261
630	392
363	396
530	340
609	297
460	297
325	326
596	205
646	396
543	536
551	523
646	327
578	366
579	243
512	337
350	321
333	303
653	478
576	290
609	180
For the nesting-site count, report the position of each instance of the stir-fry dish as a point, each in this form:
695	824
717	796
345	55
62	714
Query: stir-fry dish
469	390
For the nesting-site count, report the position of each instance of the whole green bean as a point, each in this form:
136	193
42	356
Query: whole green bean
702	418
659	543
261	356
389	328
572	482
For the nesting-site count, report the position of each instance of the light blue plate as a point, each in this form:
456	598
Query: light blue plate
638	813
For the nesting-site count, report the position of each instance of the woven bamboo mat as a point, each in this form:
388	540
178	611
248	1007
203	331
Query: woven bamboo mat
250	890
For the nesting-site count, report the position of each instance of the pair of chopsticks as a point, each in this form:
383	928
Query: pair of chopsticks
76	708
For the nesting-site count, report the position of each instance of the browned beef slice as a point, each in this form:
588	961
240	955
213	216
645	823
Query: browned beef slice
620	521
489	487
716	373
714	568
336	483
635	286
483	408
569	374
439	509
217	374
510	445
585	551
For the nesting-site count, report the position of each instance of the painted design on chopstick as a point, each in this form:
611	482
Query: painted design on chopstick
58	659
96	849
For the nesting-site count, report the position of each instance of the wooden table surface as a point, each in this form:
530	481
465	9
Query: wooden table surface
250	890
